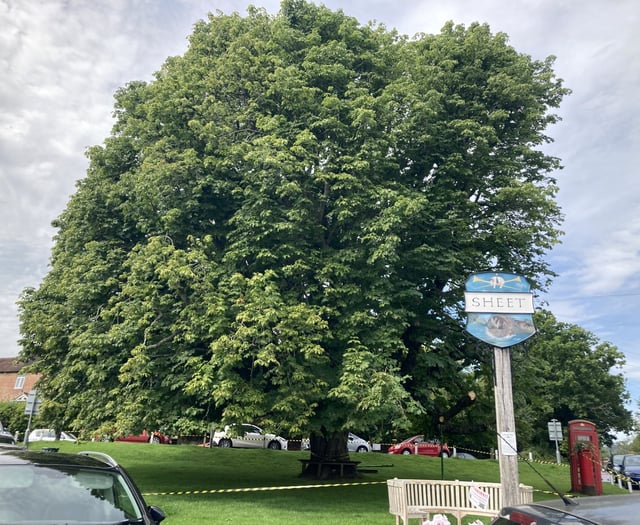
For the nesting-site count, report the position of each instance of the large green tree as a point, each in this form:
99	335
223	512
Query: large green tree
279	225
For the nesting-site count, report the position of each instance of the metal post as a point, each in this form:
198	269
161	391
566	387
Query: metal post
506	427
26	434
441	452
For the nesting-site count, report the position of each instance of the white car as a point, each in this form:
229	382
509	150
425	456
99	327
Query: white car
354	444
247	436
357	444
49	434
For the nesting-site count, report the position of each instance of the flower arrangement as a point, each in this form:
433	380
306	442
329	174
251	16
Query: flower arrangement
438	519
441	519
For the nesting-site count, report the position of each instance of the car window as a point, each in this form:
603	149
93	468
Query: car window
65	495
124	499
631	460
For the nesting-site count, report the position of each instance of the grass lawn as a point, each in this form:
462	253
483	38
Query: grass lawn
196	485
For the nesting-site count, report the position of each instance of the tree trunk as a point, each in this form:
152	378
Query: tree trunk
328	451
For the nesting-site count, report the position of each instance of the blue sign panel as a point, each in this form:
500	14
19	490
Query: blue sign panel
499	308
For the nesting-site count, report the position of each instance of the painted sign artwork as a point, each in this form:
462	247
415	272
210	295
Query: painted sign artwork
499	308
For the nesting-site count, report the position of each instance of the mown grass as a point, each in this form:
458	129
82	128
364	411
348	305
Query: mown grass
196	485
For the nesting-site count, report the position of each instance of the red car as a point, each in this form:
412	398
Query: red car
146	437
419	445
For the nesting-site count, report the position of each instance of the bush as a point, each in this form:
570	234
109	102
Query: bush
13	417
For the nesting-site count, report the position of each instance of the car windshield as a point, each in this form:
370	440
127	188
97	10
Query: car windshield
632	460
64	495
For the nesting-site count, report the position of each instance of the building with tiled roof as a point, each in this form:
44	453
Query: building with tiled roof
15	384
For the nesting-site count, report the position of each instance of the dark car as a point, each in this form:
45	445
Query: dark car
57	488
594	510
614	462
630	470
419	445
6	436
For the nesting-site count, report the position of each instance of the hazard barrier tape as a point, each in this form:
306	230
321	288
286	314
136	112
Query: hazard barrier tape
290	487
492	456
548	462
553	493
472	451
622	478
262	489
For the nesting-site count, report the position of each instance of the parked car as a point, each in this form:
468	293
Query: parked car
247	436
593	510
464	455
354	444
155	438
52	487
6	436
49	434
614	462
357	444
630	470
421	446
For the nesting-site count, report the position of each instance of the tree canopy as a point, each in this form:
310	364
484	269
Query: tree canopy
569	374
279	227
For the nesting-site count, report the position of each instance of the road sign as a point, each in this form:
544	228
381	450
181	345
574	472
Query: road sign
33	404
499	303
555	430
500	308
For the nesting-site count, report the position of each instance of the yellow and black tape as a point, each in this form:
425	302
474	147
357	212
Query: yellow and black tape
262	489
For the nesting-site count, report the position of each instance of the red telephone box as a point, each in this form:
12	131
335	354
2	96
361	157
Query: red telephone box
584	447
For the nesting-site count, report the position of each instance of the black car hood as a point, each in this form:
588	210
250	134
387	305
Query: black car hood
607	510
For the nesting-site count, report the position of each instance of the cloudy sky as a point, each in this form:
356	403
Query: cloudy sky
62	60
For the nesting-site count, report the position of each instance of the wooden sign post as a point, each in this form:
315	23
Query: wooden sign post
506	426
500	312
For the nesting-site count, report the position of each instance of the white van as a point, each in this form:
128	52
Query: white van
49	434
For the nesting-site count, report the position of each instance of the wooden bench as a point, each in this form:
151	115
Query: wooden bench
348	468
419	498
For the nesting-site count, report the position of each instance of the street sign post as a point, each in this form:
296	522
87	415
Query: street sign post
33	404
31	409
555	434
500	312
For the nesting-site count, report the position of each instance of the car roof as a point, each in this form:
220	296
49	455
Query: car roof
15	455
606	510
